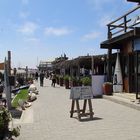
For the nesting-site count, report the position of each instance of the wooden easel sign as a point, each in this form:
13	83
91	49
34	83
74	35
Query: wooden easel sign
81	93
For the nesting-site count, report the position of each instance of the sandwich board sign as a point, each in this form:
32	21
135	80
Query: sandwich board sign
81	92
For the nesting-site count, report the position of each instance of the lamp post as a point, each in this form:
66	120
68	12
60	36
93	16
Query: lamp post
104	59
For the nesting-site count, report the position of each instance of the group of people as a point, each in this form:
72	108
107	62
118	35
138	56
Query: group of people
42	76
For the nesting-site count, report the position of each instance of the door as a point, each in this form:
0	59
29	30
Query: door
137	74
124	65
134	73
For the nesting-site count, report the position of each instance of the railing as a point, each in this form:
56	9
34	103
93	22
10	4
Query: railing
123	24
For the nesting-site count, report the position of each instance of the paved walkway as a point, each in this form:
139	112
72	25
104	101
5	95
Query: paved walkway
49	119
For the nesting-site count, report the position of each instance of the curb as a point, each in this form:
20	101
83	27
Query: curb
122	101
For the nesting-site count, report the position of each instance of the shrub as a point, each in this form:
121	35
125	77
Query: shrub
66	77
5	118
73	79
86	81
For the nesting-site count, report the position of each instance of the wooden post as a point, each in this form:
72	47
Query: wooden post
109	33
109	69
71	71
92	64
72	108
9	63
90	108
7	85
26	73
78	109
78	70
84	106
125	24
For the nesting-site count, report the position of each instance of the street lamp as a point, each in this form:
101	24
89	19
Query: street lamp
104	59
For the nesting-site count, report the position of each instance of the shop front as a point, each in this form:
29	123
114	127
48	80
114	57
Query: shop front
125	39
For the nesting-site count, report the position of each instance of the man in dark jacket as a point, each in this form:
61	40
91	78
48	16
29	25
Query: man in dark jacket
41	78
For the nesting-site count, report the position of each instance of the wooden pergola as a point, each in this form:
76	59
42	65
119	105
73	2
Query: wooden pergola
73	67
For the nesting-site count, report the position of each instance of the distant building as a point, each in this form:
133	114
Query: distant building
45	66
56	64
60	59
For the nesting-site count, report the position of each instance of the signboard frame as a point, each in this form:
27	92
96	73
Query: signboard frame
81	92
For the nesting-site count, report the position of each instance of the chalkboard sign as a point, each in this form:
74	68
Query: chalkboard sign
84	92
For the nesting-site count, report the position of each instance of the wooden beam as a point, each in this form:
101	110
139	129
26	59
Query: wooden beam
120	25
109	70
133	1
134	25
118	31
129	12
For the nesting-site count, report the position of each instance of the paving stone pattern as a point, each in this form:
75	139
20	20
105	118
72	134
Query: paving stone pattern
49	119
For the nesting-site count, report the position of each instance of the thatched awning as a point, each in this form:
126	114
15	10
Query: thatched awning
82	61
65	64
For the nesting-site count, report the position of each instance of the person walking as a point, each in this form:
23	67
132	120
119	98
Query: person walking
42	78
36	76
53	79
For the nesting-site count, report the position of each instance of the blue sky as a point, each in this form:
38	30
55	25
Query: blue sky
35	30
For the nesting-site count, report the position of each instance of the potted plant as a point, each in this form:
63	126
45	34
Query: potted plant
107	88
66	81
61	80
73	81
86	81
79	82
5	131
57	79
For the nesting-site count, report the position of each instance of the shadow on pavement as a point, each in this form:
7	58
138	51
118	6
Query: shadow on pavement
88	119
